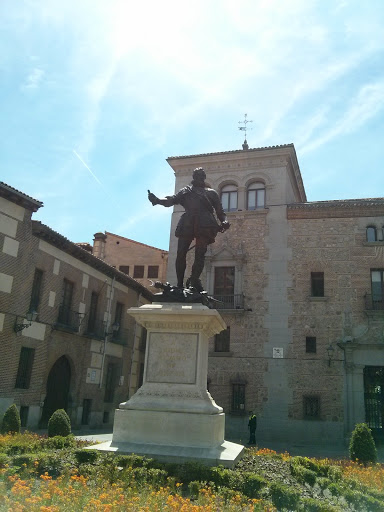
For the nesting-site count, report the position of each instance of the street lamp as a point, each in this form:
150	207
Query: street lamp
30	316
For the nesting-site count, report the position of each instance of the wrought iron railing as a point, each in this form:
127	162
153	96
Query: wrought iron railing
229	301
122	337
68	319
374	302
95	329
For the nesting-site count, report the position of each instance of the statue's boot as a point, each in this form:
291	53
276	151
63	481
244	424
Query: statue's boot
194	282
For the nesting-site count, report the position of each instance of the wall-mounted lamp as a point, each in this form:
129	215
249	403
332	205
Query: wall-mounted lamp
30	316
330	352
115	328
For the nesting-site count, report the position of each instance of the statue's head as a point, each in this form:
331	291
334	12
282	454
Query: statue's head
199	176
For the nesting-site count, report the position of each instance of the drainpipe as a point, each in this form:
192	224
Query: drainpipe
106	334
133	349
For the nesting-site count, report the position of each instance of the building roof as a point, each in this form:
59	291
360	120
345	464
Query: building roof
280	146
19	198
135	242
52	237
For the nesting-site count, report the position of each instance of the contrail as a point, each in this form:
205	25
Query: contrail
86	166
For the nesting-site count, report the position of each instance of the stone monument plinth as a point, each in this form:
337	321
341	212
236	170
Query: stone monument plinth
172	417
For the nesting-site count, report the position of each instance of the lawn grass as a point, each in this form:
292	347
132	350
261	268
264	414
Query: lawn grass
56	474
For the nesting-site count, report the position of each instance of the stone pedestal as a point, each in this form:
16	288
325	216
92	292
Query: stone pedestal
172	417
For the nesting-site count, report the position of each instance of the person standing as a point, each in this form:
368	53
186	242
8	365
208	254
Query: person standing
252	425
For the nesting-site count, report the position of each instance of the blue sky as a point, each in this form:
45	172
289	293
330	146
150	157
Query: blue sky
96	94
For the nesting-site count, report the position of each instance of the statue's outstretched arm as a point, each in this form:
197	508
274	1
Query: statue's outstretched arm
167	201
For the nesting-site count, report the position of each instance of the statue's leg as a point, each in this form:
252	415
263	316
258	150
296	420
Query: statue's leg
198	265
181	259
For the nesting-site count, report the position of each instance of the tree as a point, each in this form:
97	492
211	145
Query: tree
362	446
11	420
59	424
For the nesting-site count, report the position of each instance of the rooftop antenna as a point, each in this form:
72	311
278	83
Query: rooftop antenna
244	129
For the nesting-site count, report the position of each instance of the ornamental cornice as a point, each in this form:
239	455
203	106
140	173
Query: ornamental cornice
179	318
338	208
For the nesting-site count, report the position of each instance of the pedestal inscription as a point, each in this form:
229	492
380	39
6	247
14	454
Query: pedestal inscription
171	358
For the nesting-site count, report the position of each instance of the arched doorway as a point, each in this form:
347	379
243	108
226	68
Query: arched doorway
57	392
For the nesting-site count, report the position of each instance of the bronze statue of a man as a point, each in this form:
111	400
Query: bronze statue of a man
198	222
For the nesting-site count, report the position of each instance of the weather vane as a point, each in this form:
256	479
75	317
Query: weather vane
244	129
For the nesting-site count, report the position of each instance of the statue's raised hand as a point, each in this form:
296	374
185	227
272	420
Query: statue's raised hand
154	199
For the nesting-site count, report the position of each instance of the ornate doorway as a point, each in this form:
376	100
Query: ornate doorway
57	393
374	399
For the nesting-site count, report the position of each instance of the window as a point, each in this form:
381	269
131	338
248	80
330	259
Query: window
256	196
24	411
24	370
138	271
317	284
36	290
224	281
106	417
229	198
311	407
377	285
222	340
371	234
110	382
125	269
93	312
310	345
153	271
65	308
238	398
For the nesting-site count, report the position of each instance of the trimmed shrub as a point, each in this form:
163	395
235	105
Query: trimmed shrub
283	497
4	460
11	421
335	474
313	505
59	424
27	460
86	456
60	442
362	446
134	461
253	484
303	474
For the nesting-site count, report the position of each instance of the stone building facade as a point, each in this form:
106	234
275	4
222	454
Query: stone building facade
66	338
140	261
302	293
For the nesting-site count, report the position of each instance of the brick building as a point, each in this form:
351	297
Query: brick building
66	338
302	291
140	261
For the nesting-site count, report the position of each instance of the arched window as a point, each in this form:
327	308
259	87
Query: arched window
229	198
256	196
371	234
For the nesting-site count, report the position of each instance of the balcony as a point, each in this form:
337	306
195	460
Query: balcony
95	329
374	303
230	302
68	319
122	337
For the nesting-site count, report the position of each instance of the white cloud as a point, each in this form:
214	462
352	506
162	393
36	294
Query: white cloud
33	79
366	105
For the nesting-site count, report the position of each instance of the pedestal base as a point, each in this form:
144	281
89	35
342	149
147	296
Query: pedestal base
225	454
168	428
